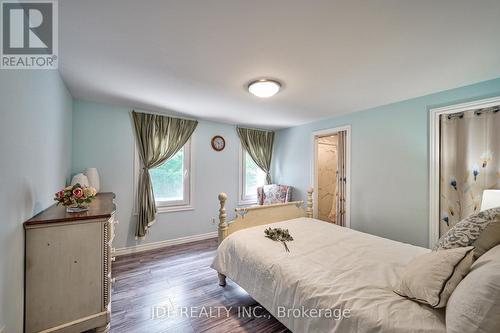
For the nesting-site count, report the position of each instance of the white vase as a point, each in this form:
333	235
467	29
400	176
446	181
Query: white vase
81	179
93	177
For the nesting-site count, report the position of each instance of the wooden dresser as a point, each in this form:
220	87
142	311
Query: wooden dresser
68	268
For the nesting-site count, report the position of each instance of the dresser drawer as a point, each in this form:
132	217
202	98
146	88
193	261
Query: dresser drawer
63	274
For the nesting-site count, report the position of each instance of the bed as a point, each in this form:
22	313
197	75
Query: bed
334	279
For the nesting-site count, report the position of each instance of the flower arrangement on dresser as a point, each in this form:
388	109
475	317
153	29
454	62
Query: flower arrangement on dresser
75	198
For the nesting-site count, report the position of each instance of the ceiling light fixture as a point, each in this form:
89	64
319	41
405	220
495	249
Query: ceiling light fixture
264	88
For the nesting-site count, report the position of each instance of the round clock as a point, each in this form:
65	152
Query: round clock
218	143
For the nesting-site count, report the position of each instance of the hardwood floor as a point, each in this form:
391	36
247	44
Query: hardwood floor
180	278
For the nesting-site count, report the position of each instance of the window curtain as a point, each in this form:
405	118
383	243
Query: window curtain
259	145
340	197
469	162
158	138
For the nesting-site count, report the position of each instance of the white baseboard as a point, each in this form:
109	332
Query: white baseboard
161	244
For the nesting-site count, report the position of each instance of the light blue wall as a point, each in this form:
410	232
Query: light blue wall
103	138
35	149
389	161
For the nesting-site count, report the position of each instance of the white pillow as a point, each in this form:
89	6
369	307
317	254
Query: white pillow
431	277
474	306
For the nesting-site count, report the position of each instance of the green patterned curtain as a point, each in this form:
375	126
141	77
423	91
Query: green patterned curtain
259	145
158	139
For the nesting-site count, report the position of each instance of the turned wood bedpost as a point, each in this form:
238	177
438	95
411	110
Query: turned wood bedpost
309	209
222	230
222	217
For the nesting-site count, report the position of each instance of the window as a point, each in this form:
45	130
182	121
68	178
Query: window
251	177
171	181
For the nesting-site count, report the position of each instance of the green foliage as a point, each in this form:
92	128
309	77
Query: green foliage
254	177
279	235
168	178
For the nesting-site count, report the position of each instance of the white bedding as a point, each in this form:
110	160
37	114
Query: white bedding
328	267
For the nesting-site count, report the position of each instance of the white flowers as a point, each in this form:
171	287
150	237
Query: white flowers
89	192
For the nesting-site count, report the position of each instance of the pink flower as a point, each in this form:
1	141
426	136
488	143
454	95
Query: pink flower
60	194
78	192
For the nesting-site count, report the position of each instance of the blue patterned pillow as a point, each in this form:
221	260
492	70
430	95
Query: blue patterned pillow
481	230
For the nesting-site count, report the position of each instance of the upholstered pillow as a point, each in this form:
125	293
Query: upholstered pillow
481	230
273	193
474	306
431	278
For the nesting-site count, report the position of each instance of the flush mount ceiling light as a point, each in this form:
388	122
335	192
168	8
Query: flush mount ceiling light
264	88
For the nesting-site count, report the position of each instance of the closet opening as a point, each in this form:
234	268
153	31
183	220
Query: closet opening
464	149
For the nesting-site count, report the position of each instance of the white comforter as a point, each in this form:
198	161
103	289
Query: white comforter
328	267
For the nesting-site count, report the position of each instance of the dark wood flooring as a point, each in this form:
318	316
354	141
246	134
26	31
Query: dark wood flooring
180	278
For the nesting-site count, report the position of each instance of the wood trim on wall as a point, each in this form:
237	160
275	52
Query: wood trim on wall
314	177
434	154
165	243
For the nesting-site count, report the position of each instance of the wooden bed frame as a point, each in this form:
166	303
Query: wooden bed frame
258	215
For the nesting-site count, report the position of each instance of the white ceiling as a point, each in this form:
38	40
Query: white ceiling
194	58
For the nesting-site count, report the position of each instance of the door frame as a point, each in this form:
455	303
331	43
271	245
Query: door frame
314	177
434	157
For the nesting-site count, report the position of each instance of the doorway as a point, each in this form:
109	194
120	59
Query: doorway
327	174
331	175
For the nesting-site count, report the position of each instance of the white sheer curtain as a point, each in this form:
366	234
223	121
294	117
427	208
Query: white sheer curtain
470	162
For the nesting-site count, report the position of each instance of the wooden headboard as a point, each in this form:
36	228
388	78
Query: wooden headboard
258	215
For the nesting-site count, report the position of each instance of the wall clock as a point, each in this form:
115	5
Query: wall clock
218	143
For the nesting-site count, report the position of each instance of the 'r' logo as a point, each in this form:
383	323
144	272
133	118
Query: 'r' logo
27	28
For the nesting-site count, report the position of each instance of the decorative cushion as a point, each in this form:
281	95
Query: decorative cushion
431	278
271	194
474	306
481	230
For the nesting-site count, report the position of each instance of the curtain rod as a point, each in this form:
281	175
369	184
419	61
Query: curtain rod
162	114
256	129
477	112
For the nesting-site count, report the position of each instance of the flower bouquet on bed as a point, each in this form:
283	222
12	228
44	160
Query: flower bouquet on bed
279	235
75	198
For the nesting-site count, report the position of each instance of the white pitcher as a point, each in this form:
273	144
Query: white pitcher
93	177
81	179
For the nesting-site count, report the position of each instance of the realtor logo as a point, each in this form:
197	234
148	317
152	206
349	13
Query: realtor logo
29	34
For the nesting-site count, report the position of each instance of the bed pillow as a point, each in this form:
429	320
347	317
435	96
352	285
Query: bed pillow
431	277
481	230
474	306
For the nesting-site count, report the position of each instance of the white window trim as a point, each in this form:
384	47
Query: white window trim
434	157
171	206
243	200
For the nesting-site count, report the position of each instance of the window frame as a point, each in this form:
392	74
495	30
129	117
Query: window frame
173	205
243	198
